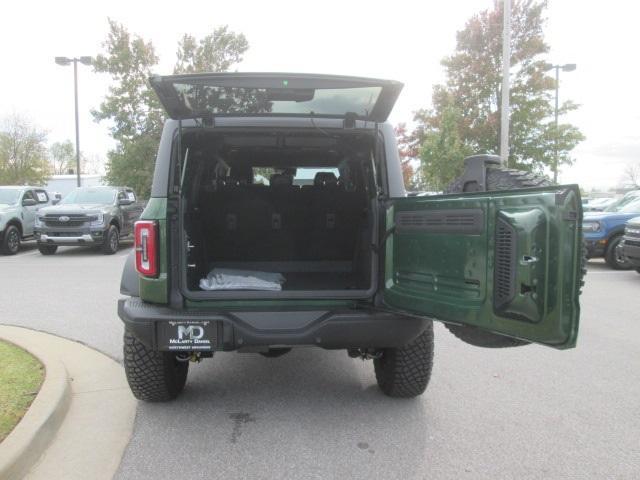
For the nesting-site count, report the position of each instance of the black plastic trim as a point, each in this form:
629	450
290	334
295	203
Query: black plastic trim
449	221
130	282
326	329
504	273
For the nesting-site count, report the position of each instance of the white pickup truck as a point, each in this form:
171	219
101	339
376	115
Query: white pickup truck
18	209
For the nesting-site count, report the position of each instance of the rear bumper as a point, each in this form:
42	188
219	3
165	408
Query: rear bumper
326	329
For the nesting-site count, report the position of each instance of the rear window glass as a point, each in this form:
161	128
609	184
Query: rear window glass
202	99
302	176
305	176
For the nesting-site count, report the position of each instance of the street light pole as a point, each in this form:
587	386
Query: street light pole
75	95
568	67
506	64
67	61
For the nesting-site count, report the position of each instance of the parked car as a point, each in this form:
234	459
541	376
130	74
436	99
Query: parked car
603	232
18	209
224	263
88	216
630	245
598	204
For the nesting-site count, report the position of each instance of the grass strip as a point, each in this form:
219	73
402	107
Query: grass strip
21	375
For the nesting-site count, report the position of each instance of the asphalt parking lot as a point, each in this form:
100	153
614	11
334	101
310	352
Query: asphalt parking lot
528	412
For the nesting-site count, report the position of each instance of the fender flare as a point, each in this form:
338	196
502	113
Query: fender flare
130	282
13	221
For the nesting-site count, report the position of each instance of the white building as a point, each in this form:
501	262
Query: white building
65	183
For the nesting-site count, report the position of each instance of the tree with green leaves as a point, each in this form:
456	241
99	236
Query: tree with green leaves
62	157
216	52
23	152
132	108
473	91
443	150
408	150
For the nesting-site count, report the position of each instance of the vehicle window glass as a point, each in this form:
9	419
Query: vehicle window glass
618	205
122	196
302	175
9	196
305	176
202	98
261	175
87	196
131	196
42	196
631	207
28	195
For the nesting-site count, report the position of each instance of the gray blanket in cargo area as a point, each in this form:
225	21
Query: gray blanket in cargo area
235	279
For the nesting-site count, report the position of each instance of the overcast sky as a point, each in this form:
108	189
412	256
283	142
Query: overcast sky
401	40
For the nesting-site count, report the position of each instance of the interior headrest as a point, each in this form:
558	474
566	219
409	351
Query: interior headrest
280	180
325	179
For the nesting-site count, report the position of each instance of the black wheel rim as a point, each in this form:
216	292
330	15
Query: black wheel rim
619	258
113	241
13	242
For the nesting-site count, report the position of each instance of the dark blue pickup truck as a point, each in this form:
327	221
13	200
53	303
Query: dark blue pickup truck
603	232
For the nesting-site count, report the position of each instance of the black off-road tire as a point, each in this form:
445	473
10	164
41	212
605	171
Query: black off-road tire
111	240
405	372
502	179
47	249
612	258
10	240
153	376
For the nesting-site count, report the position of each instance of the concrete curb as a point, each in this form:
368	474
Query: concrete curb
95	421
34	433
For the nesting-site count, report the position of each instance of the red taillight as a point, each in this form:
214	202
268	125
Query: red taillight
146	245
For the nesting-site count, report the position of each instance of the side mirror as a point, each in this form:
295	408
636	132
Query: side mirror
125	201
55	201
29	202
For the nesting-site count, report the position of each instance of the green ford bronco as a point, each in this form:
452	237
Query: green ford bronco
278	218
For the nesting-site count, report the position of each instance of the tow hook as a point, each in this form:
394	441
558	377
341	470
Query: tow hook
364	353
195	357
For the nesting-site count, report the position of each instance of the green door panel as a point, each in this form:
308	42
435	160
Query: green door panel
507	261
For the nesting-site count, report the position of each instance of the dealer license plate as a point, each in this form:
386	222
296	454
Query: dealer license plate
187	335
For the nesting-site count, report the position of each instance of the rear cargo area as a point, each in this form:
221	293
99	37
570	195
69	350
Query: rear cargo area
298	205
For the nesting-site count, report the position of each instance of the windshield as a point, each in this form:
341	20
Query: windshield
87	196
631	207
9	196
618	206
